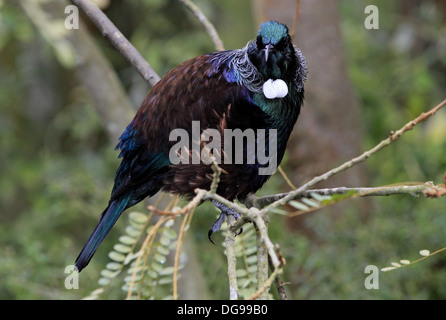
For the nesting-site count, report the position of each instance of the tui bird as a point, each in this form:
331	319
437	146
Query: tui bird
258	87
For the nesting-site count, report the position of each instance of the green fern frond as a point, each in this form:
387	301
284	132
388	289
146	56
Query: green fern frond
142	256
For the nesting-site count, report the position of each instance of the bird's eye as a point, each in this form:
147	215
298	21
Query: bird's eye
259	42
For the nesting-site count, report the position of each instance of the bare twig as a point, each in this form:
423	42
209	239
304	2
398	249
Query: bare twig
117	39
266	285
86	61
109	31
256	217
415	190
296	19
280	285
263	289
186	221
201	194
206	23
190	206
393	267
262	264
253	215
394	135
232	261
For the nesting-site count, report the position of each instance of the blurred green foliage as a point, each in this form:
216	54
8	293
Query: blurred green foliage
57	164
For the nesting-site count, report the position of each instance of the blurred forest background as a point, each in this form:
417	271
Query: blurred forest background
66	95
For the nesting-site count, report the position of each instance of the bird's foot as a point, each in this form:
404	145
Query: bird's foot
225	212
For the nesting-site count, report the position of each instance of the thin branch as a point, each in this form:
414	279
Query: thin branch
253	215
147	243
87	62
424	189
263	290
210	29
256	217
285	177
280	285
393	267
180	239
266	285
232	261
262	264
394	135
296	19
109	31
231	205
117	39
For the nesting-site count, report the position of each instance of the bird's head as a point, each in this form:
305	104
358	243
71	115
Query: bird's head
272	52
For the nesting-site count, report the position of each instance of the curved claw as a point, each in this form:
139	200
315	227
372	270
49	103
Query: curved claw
216	226
210	232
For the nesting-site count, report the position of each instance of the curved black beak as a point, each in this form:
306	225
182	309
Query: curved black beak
268	47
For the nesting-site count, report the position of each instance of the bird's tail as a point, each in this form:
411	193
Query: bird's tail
106	221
